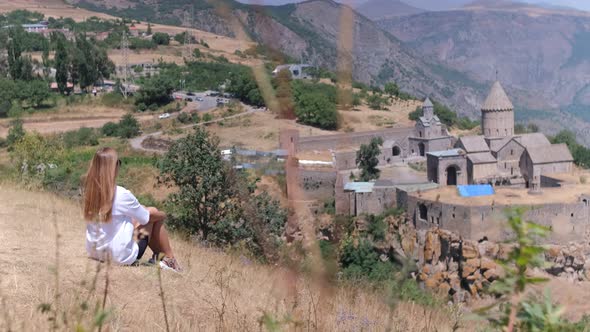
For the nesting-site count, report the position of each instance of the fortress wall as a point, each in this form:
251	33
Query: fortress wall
567	221
347	160
375	202
339	141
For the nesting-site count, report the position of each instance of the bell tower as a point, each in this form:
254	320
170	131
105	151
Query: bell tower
497	114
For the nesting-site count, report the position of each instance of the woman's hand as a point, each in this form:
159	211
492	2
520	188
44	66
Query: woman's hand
155	214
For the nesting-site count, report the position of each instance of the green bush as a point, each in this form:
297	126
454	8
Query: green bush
161	38
154	91
15	133
80	137
110	129
184	118
128	127
361	262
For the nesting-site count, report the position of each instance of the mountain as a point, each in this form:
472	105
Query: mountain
436	5
382	9
310	32
541	55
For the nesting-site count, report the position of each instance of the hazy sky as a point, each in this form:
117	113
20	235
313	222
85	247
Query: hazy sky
580	4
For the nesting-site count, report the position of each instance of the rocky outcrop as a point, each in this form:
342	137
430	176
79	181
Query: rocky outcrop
464	269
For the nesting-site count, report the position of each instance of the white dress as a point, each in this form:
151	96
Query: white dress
115	238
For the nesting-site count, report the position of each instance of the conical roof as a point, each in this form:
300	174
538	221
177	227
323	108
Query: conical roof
497	100
427	103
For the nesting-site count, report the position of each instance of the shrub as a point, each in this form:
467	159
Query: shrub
110	129
161	38
128	127
316	110
80	137
361	262
184	118
15	133
156	90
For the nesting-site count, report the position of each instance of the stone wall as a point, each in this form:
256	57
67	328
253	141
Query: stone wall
481	172
569	222
346	160
430	145
342	141
375	202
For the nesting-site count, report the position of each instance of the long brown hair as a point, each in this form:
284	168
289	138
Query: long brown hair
100	186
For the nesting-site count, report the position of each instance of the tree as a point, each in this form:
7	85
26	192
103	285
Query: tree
8	90
128	127
15	52
149	29
161	38
216	202
33	92
180	37
45	58
197	53
61	63
367	159
391	89
316	110
156	90
194	164
244	87
376	102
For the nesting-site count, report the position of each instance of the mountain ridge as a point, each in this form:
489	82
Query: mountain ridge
382	9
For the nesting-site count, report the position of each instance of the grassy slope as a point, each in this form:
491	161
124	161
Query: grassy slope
194	300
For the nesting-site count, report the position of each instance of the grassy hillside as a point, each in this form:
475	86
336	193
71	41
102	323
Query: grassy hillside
217	292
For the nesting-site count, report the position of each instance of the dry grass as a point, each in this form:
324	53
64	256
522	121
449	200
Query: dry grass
258	131
366	119
89	117
216	293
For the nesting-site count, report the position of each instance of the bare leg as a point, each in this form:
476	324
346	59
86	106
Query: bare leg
159	240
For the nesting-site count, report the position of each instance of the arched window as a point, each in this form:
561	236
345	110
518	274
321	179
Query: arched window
396	151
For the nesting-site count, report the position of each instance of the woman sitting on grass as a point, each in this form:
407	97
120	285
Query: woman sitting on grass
113	214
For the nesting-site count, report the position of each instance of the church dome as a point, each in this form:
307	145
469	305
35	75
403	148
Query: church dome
497	100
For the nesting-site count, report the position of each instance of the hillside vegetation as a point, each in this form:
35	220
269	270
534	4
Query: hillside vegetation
217	292
310	32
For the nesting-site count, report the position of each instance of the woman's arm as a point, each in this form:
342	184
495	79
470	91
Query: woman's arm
156	215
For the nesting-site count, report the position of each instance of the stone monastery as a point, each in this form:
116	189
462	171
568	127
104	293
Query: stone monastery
524	170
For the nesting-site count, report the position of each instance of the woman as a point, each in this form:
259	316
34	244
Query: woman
113	213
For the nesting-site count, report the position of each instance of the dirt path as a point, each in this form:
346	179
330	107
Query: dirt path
52	126
136	143
216	292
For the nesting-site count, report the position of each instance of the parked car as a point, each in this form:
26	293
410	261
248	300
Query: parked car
164	116
200	99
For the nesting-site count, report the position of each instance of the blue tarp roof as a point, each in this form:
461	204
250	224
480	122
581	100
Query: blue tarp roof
475	190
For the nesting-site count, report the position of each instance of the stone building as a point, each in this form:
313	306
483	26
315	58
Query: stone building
447	167
429	133
497	156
